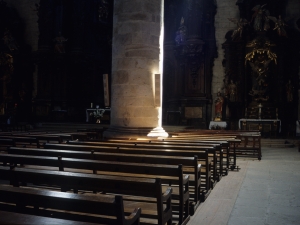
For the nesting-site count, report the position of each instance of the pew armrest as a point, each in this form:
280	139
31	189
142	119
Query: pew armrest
185	179
199	168
134	217
167	194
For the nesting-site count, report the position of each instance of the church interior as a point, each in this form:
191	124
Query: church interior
55	55
187	92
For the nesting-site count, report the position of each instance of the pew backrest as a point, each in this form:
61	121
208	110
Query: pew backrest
109	210
187	162
103	183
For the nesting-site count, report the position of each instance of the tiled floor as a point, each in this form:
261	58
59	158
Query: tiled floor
263	192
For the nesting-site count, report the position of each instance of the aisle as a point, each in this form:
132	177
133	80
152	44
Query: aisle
263	192
270	193
218	206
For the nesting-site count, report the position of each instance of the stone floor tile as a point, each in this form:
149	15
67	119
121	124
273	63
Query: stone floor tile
246	221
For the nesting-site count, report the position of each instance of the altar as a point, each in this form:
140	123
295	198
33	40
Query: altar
265	126
217	125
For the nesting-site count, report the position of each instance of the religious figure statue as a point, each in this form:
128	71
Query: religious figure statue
259	60
232	91
240	23
181	33
60	43
219	107
279	25
261	18
260	67
289	91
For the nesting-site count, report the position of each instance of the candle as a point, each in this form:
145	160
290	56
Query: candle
91	105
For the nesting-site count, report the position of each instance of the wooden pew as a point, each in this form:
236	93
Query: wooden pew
219	132
232	140
202	155
159	212
58	137
5	143
191	163
109	210
21	141
43	138
211	150
228	146
169	174
19	218
250	145
97	132
223	158
216	153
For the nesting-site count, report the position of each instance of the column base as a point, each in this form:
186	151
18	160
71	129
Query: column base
158	132
134	132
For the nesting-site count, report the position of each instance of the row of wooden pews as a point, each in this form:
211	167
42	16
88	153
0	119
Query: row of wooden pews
208	180
150	193
152	181
249	145
112	170
28	203
132	150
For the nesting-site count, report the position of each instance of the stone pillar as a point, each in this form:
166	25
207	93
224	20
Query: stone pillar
226	9
136	105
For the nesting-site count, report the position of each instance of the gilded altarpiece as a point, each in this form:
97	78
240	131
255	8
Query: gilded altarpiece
262	64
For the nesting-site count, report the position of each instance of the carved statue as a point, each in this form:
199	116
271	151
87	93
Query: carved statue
232	91
260	67
259	59
219	106
279	25
181	33
240	23
261	18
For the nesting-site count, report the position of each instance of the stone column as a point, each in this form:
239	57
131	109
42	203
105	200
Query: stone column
136	103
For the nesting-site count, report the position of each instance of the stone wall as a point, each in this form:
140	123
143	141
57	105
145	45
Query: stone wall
225	9
27	11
